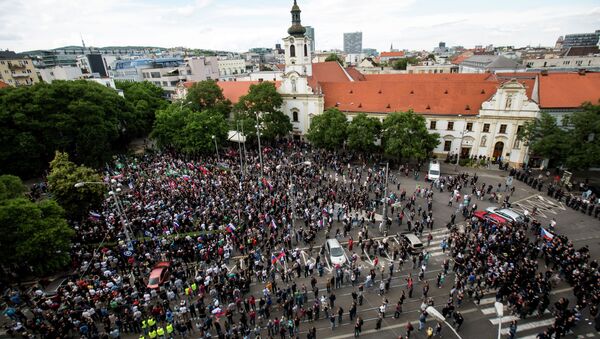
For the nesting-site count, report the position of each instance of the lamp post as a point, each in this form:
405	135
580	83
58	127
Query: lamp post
259	147
440	317
216	148
500	313
306	163
384	217
462	136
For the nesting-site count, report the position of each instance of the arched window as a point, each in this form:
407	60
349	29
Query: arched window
305	50
292	51
295	116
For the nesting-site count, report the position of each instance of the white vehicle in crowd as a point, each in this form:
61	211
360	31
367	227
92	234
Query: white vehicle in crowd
434	171
335	252
507	213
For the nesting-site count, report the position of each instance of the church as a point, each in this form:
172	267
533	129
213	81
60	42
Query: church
474	114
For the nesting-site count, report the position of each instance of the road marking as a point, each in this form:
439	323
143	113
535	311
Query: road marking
530	326
510	318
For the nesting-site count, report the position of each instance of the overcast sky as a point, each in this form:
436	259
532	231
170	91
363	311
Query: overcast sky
237	25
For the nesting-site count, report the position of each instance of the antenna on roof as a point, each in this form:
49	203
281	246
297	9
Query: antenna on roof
82	42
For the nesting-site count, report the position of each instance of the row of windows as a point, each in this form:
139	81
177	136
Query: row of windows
23	61
469	127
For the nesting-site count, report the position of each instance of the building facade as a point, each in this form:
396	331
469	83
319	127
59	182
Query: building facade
310	33
16	70
581	40
50	74
353	43
231	67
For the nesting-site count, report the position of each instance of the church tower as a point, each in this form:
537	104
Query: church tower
298	56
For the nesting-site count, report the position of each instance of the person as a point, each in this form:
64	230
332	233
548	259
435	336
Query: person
438	329
409	329
378	323
332	320
429	332
358	326
458	320
422	320
512	330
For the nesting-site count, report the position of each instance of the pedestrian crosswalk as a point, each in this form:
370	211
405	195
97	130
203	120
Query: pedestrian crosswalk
527	328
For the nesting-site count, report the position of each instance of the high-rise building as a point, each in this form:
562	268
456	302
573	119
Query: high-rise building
581	40
353	43
310	32
97	65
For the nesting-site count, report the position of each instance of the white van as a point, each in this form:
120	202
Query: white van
414	243
336	252
434	171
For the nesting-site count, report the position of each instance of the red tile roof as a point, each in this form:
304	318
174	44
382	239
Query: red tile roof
462	57
426	97
330	71
233	90
568	90
431	77
391	54
527	79
355	74
3	84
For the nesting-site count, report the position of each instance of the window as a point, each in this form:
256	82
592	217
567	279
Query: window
155	74
486	128
450	125
292	51
432	124
483	141
502	129
295	116
469	126
305	50
517	144
447	145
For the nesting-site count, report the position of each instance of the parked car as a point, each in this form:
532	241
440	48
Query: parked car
414	243
159	274
336	252
490	217
507	213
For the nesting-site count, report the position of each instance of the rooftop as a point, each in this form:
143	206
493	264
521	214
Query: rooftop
568	90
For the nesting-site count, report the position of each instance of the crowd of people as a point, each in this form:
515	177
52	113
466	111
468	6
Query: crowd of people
233	230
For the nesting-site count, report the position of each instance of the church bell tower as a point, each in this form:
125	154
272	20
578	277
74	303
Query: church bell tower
298	56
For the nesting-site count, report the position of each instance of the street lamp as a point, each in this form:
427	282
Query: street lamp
216	148
462	136
384	217
500	313
305	163
259	147
440	317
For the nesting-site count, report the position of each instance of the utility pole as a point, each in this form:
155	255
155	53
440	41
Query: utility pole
384	218
259	147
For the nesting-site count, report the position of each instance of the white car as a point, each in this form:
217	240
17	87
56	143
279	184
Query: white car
336	252
507	214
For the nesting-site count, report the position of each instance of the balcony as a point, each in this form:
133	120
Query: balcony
16	65
20	75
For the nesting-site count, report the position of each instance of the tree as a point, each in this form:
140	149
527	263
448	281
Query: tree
328	130
208	95
401	64
405	136
546	138
63	176
33	233
169	124
11	187
145	99
200	127
83	118
584	137
334	57
362	133
263	102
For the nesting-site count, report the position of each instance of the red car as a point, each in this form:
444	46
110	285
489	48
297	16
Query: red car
491	217
159	274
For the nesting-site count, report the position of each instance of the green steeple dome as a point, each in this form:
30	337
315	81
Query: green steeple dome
296	29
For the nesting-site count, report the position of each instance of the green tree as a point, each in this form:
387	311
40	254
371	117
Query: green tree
584	137
263	101
405	135
207	94
328	130
11	187
363	131
169	124
401	64
34	234
83	118
63	176
145	99
334	57
546	138
200	127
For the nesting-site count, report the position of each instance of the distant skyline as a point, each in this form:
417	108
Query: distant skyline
237	25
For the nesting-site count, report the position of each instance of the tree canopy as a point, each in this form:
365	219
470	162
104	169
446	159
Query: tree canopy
63	176
145	99
334	57
205	95
328	130
401	64
363	131
405	135
34	234
263	103
11	187
546	138
83	118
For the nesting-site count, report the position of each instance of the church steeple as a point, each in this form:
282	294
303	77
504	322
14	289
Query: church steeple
296	29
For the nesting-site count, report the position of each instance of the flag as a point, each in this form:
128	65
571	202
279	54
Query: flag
186	177
273	223
273	259
548	236
94	216
176	224
230	228
267	184
118	176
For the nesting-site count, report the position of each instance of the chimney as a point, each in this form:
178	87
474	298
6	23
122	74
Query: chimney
581	71
544	72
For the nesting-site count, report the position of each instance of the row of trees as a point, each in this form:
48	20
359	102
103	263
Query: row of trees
189	126
83	118
403	135
576	144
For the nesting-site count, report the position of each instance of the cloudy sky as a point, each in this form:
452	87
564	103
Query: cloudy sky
237	25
